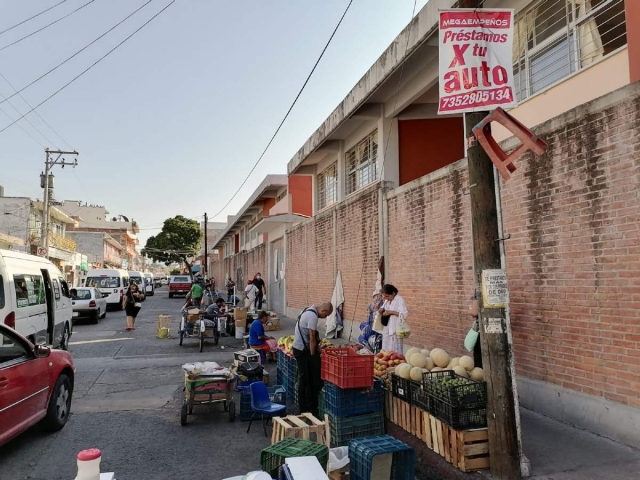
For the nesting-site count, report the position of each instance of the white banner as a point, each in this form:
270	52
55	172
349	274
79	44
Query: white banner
476	70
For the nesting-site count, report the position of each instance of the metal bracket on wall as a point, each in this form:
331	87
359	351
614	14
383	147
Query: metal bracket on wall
503	238
468	192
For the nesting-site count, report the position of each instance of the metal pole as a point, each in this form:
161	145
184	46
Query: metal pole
206	247
44	238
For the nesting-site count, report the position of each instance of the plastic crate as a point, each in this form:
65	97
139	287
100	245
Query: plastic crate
463	417
321	405
273	457
469	393
401	387
344	403
344	429
277	394
346	368
419	398
362	451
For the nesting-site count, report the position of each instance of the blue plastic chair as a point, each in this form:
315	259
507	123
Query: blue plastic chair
261	404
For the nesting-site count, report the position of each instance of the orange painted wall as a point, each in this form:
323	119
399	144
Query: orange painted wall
429	144
268	203
632	12
301	191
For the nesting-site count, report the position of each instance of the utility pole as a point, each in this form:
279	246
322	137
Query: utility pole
206	247
497	352
49	163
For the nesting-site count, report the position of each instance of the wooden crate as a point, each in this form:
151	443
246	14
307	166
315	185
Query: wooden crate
304	426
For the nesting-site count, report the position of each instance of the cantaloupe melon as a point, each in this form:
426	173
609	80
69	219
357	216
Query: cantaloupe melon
416	374
460	370
418	360
467	362
440	357
425	352
430	364
477	374
403	370
437	369
410	352
454	362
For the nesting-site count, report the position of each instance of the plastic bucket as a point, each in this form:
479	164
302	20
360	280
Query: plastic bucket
240	332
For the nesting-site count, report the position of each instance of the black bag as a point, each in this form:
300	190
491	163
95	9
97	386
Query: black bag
385	320
250	370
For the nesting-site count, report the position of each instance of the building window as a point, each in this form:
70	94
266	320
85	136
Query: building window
328	186
361	163
555	38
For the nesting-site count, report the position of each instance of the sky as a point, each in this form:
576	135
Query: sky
172	121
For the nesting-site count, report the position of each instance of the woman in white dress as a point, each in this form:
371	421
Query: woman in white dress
250	292
393	307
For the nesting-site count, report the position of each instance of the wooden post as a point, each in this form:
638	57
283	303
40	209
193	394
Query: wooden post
496	349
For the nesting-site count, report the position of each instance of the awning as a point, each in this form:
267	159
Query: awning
269	224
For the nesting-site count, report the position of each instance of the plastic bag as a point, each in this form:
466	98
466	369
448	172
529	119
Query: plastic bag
377	322
403	330
338	458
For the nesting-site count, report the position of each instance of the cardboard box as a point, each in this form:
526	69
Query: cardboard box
244	356
240	313
272	324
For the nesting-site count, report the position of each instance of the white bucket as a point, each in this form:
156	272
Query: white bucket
222	324
240	332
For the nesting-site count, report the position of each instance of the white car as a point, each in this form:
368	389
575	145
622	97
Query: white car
88	302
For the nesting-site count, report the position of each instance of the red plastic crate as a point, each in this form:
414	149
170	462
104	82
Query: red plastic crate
346	368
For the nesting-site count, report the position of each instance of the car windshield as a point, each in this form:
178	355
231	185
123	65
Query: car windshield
81	294
180	280
103	282
138	280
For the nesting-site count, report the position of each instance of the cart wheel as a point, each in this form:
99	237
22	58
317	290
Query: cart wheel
181	337
183	415
232	410
191	410
201	341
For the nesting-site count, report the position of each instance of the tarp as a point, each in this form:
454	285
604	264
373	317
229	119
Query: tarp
335	321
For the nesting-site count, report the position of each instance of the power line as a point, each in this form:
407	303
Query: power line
90	67
31	18
24	129
17	92
30	123
288	112
47	26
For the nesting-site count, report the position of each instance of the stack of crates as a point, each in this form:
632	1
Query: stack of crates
383	456
351	398
272	458
287	374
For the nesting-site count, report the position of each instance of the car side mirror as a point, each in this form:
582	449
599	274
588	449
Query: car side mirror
41	351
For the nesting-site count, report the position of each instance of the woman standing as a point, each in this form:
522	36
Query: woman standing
250	292
393	307
132	305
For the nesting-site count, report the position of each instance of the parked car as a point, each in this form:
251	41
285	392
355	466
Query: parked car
138	277
88	302
112	282
179	285
149	286
36	384
164	281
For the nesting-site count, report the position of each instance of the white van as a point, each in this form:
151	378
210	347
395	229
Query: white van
35	299
138	277
149	284
112	283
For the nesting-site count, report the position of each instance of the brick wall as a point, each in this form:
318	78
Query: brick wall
250	263
344	238
429	256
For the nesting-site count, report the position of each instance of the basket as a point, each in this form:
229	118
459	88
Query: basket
344	403
346	368
344	429
470	392
163	326
419	398
362	452
401	387
463	417
273	457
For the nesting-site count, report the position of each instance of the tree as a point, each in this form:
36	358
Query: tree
175	271
179	239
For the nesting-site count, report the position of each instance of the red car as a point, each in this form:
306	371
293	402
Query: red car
36	384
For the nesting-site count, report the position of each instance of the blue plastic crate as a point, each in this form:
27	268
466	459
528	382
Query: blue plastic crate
345	429
358	401
362	451
277	394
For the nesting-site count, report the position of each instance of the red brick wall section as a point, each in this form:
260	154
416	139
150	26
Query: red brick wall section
312	259
574	256
250	262
429	259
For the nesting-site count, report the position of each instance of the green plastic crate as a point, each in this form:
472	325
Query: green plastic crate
273	457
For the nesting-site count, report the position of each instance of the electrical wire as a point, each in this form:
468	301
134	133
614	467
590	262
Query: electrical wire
32	17
89	68
47	26
24	129
287	114
22	89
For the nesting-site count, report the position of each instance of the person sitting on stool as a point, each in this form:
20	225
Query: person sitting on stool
257	338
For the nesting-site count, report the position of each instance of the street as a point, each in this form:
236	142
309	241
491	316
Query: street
127	398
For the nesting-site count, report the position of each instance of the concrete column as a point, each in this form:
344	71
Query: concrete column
632	11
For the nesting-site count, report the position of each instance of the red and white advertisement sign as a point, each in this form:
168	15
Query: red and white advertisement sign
476	70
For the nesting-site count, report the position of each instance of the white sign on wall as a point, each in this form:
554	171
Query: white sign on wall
476	69
495	292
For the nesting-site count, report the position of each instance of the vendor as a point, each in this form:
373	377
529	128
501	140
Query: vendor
392	309
221	305
258	340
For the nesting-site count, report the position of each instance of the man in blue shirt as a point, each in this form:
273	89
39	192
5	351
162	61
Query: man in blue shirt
257	337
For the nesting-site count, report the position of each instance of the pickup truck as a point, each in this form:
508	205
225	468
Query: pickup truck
179	285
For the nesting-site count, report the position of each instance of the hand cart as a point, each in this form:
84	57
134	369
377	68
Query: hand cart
193	325
208	390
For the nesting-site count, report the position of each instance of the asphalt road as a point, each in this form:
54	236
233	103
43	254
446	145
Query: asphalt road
127	398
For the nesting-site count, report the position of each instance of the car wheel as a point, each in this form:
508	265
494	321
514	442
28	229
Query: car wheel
59	405
104	314
66	335
97	316
170	295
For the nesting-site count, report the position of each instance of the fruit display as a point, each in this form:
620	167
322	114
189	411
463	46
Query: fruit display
440	357
386	362
286	342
